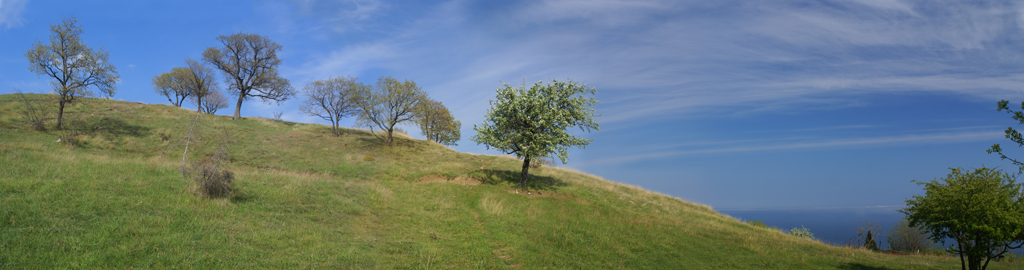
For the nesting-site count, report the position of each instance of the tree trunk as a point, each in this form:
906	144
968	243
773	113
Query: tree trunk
60	115
334	128
389	135
526	169
238	108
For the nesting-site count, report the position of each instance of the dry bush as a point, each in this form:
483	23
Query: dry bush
862	233
34	113
902	237
210	179
207	177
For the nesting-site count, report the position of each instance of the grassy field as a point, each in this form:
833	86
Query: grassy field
304	199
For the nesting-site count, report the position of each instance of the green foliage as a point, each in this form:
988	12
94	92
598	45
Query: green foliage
1011	133
437	124
533	122
387	104
332	99
72	64
983	210
905	238
172	86
250	63
802	232
194	81
757	223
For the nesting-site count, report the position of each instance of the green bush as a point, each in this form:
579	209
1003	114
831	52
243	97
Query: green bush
757	223
802	232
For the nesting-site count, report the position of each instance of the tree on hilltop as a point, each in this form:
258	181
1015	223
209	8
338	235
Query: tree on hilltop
250	63
437	123
73	65
332	99
387	104
201	81
171	86
195	82
982	210
531	122
213	102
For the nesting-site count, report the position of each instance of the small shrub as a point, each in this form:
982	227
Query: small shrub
210	180
757	223
869	242
69	134
904	238
802	232
367	158
277	115
34	113
862	231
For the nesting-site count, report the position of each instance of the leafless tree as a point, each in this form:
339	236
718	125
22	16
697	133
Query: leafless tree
213	102
73	65
34	114
332	99
202	83
250	63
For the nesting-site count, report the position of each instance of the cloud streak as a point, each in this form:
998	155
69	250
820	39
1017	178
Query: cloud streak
656	60
813	145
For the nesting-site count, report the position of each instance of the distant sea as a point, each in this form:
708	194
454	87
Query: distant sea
835	226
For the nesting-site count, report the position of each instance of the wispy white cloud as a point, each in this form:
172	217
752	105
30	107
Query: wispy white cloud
344	62
820	144
341	16
10	13
657	59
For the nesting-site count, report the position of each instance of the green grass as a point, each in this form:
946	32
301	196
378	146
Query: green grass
306	199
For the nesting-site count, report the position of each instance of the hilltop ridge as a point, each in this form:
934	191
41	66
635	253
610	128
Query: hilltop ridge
114	198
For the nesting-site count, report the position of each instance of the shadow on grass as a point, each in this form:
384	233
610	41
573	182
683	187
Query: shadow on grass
113	127
240	197
533	182
859	266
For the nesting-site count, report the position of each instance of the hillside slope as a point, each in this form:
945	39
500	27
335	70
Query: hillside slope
306	199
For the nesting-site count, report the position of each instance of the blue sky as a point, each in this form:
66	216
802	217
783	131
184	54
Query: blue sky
734	104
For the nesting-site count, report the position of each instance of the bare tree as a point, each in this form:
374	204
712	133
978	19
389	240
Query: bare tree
202	83
194	81
213	102
34	113
73	65
387	104
249	63
332	99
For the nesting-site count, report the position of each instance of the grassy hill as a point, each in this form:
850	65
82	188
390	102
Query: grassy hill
305	199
